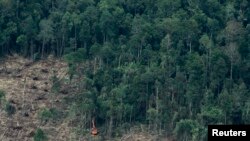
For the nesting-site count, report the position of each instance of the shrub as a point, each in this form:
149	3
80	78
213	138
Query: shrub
2	94
49	114
2	98
10	109
40	135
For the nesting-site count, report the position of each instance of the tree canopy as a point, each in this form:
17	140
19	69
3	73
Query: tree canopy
173	65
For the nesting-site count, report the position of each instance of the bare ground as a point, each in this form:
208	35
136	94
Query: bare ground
27	86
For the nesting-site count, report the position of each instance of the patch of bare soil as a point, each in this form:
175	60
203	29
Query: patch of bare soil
139	134
27	86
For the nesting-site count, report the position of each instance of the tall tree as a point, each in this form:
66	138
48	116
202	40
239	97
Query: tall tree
46	33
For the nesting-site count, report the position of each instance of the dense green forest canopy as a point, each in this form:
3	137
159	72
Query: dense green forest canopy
173	65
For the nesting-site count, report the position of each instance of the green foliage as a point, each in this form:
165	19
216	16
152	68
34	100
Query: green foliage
40	135
212	115
49	114
2	94
2	98
76	57
151	114
189	130
56	85
10	109
140	61
37	56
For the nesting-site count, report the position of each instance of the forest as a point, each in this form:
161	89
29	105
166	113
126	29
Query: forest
170	66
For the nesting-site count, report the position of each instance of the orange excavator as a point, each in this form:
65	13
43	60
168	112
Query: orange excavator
94	131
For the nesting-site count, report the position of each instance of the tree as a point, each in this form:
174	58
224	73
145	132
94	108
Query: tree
85	33
233	33
46	33
188	130
139	35
75	18
195	70
226	103
107	25
233	54
218	72
211	115
207	44
30	30
167	8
